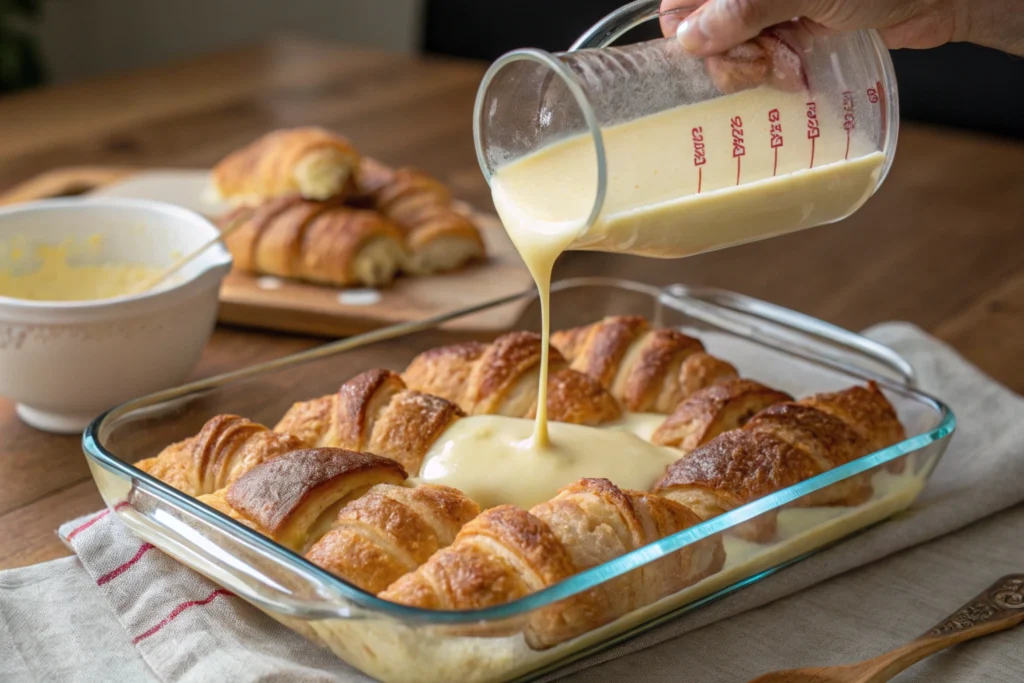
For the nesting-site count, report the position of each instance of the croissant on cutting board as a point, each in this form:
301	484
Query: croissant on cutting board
311	162
438	238
309	207
321	242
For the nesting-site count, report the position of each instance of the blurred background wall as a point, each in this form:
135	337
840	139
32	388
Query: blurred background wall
83	38
957	85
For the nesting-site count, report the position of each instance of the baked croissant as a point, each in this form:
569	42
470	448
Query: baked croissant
311	162
391	531
710	411
438	238
647	370
295	498
320	242
501	378
227	447
373	412
507	553
782	446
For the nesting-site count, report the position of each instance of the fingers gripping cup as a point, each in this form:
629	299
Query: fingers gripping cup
648	150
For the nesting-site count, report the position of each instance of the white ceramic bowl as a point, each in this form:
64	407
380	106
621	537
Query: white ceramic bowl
63	363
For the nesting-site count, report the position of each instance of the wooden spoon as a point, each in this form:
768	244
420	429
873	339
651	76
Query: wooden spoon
997	609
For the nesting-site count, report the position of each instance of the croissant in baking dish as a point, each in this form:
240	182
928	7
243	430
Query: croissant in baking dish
390	531
227	447
376	413
501	378
646	369
438	238
311	162
293	498
373	412
321	242
782	446
507	553
347	511
708	412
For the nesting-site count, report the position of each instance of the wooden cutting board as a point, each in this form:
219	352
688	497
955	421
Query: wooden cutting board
291	306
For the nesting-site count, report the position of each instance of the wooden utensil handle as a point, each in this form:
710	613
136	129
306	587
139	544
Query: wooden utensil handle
1000	607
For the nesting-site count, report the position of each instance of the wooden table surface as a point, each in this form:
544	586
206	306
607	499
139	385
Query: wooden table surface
941	244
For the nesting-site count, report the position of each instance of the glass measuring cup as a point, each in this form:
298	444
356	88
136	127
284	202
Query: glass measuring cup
646	149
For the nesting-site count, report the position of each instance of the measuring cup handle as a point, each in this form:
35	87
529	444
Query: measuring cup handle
615	25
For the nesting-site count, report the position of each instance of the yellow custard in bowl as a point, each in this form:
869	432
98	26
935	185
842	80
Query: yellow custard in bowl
77	336
69	271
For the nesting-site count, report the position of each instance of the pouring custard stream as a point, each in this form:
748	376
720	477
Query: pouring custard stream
657	205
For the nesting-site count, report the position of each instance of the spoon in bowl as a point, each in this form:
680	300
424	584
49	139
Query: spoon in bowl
163	275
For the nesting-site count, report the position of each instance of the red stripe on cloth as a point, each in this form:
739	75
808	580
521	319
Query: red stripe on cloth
80	529
178	610
98	517
124	567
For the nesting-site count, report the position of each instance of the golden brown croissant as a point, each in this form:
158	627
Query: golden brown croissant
227	447
507	553
866	411
312	162
373	412
390	531
710	411
320	242
647	370
295	498
782	446
501	378
438	238
398	192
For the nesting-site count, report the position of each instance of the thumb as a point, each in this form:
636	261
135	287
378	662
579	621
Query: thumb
719	25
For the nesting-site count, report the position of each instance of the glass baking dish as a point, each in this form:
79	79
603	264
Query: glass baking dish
781	348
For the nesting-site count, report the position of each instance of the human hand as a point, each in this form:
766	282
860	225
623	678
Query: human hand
719	25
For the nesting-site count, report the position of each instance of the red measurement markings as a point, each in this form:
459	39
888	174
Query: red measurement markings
775	129
813	129
699	154
876	95
849	119
739	147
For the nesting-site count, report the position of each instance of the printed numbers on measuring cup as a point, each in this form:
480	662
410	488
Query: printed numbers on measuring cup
775	127
699	156
813	130
849	117
739	147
